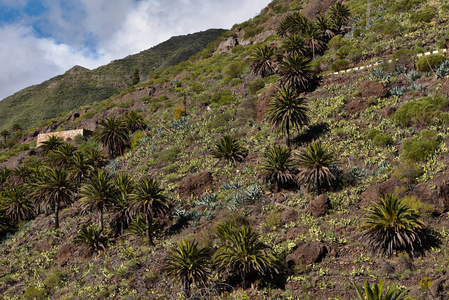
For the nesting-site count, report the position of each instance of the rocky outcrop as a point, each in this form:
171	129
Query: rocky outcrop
307	254
195	185
373	193
319	206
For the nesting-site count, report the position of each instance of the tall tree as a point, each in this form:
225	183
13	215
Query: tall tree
135	121
189	264
112	134
287	110
277	166
5	133
98	194
295	72
53	188
15	204
262	63
80	168
151	202
318	166
313	39
136	77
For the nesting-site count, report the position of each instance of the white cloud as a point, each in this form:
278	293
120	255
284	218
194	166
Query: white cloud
114	29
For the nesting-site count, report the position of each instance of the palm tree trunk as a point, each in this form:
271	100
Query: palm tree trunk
187	288
148	220
56	214
287	133
317	184
101	219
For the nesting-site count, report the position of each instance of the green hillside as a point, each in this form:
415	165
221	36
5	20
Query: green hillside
197	194
80	86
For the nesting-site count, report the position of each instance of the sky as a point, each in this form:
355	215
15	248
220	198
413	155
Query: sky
44	38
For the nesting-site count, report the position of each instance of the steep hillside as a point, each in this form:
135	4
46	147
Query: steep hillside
80	86
381	133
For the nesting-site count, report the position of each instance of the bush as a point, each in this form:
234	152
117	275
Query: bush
417	149
420	111
339	65
425	15
33	293
377	137
235	69
53	280
407	171
223	97
256	85
425	63
337	42
403	56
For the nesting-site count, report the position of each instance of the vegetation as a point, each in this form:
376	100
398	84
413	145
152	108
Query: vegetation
228	148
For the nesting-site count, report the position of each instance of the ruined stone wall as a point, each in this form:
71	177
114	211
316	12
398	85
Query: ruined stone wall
70	134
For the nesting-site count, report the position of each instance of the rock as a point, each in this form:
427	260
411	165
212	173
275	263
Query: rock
317	7
373	193
262	102
388	111
295	232
405	263
357	106
65	253
437	289
319	206
424	194
370	89
386	268
195	185
307	254
290	215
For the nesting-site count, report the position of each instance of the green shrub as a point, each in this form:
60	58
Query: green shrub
337	42
385	28
33	293
136	137
343	51
53	280
403	56
407	171
339	65
223	97
377	137
169	155
420	111
252	31
256	85
404	5
417	149
235	69
425	63
424	15
235	82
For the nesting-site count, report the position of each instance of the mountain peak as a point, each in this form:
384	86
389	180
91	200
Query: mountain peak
77	70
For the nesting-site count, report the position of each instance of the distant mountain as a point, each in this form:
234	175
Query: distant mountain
80	86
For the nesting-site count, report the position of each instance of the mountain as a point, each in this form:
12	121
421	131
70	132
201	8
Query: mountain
80	86
360	197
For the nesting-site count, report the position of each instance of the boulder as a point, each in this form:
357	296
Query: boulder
319	206
263	100
195	185
369	89
290	215
373	193
307	254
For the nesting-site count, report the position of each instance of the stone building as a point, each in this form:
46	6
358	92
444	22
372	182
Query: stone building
65	135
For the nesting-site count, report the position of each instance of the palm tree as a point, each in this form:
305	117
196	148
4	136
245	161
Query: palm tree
277	166
80	168
311	36
5	133
151	202
124	195
51	144
189	264
98	194
262	61
318	166
375	292
16	127
340	15
15	204
228	148
293	24
53	188
113	135
63	155
5	173
244	254
92	237
392	225
293	44
325	27
295	72
94	157
287	109
134	121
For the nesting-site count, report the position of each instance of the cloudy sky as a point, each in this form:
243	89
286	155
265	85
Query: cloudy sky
44	38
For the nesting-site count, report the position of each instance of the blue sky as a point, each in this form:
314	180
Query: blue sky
41	39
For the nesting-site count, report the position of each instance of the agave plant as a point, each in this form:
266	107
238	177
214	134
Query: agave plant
392	225
375	292
92	237
262	61
228	148
277	166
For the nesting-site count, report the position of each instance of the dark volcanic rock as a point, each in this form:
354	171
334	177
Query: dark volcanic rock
307	254
319	206
195	185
